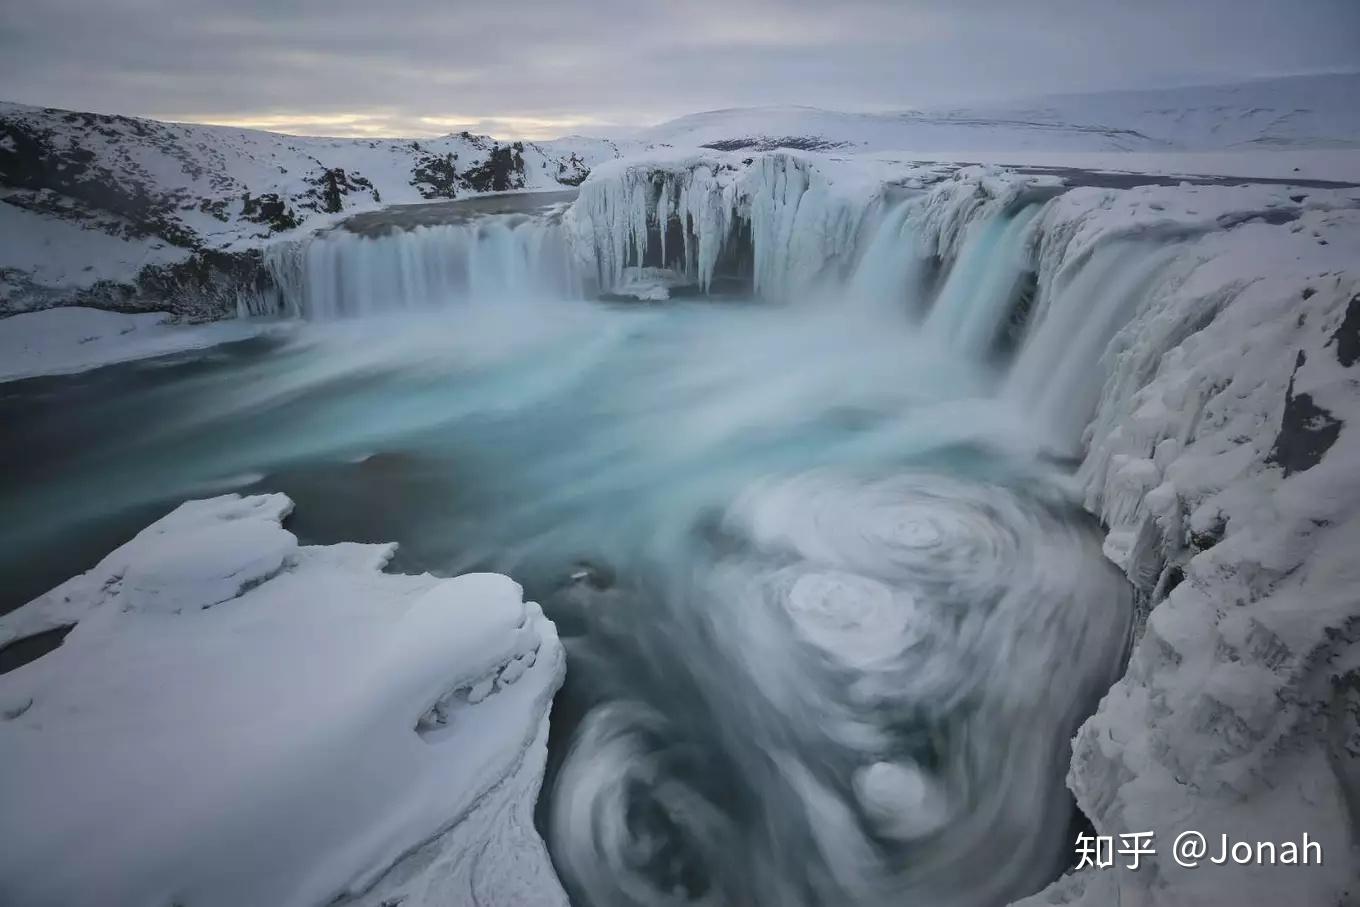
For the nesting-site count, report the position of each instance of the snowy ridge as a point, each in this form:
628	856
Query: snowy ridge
370	737
132	214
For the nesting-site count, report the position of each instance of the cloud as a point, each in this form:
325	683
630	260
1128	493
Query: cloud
531	68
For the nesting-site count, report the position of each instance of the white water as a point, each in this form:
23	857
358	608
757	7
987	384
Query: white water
339	274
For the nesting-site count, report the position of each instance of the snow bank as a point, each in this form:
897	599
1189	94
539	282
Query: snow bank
237	719
74	339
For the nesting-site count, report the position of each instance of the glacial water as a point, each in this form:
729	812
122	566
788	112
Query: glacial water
831	614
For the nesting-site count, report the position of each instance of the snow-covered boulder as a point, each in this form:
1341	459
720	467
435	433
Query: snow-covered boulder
239	719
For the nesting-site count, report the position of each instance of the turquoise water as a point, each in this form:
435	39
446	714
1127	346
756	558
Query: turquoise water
830	620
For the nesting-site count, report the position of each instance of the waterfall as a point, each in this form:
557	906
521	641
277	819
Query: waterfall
981	290
492	259
1073	328
979	259
961	257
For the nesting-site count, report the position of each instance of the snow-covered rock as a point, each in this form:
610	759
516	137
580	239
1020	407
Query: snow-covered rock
238	719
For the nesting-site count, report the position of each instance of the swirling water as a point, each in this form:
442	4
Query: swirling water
830	619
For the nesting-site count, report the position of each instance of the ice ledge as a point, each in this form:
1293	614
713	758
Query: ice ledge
239	719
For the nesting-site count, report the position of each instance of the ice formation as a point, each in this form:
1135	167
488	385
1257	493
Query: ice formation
237	719
799	218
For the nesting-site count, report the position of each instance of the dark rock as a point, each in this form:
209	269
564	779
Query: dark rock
502	171
770	143
1347	336
1307	431
30	648
436	177
333	185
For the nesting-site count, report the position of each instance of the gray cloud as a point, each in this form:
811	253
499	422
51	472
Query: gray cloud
539	67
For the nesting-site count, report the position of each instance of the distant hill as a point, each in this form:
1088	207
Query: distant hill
1321	111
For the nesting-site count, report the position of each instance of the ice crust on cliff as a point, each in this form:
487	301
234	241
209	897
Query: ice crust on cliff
1224	458
239	719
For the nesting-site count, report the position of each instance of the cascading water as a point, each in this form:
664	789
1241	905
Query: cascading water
342	274
830	618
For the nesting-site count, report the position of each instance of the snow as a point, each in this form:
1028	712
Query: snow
61	254
1234	716
62	341
1330	165
239	719
1298	112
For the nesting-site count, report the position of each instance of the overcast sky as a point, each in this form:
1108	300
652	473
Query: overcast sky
535	68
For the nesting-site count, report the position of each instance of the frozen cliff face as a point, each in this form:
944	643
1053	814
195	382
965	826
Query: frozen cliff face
135	214
237	719
1224	459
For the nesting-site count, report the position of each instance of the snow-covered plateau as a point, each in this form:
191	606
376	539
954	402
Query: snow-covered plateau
1180	351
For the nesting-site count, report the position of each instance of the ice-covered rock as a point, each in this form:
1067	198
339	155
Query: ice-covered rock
239	719
1223	458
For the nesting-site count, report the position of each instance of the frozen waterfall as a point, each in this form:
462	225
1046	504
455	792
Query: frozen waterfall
972	256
